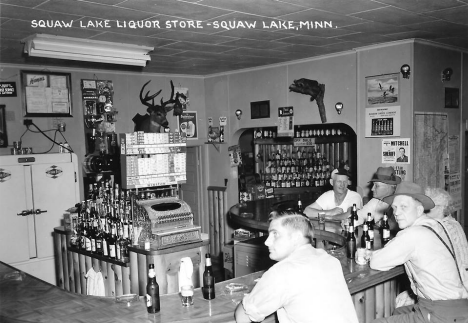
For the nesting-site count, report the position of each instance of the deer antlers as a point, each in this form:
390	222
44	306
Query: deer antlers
166	105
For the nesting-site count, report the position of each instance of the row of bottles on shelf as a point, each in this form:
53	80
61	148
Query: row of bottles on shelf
110	220
287	180
103	229
314	132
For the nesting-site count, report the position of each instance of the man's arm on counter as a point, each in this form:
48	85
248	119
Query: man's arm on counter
240	315
395	253
314	209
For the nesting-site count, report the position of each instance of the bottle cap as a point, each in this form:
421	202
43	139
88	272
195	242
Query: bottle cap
151	266
207	255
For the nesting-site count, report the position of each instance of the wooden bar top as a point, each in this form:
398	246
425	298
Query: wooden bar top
24	298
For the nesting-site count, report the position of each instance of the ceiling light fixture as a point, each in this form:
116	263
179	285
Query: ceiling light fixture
238	114
405	71
51	46
339	106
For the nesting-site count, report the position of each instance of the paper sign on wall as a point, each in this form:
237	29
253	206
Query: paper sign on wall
383	121
285	122
396	151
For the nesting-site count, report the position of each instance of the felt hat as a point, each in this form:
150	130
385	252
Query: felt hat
386	175
413	190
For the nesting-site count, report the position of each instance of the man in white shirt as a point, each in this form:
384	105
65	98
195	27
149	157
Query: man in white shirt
426	252
306	285
384	184
337	201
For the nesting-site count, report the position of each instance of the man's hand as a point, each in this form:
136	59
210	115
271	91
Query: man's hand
332	212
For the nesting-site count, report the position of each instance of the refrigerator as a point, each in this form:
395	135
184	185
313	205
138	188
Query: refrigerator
35	192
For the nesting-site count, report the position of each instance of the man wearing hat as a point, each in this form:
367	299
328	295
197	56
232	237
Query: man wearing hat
425	249
336	201
384	184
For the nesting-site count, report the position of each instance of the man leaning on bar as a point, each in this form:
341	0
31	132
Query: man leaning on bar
306	285
426	249
337	201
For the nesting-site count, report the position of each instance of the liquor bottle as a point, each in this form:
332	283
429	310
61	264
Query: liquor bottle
118	243
208	280
152	292
385	230
111	243
99	237
350	243
370	226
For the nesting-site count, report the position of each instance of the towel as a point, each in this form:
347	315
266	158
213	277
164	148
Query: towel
185	272
95	283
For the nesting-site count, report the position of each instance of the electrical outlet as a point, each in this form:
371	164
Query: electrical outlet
27	122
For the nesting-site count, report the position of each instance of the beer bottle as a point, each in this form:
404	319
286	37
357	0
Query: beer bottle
365	239
370	226
385	230
351	242
300	210
152	292
208	280
355	220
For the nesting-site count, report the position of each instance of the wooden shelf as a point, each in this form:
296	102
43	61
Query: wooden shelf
291	141
96	256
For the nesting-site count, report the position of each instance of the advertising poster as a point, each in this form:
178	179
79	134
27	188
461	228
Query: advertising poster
455	190
383	121
187	122
7	89
285	122
396	151
400	170
382	90
235	156
454	153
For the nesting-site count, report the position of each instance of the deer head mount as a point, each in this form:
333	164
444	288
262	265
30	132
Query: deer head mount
156	116
316	92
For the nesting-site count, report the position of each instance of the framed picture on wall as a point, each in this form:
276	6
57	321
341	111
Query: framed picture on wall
452	98
3	130
383	90
46	94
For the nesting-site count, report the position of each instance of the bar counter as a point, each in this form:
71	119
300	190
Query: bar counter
373	291
24	298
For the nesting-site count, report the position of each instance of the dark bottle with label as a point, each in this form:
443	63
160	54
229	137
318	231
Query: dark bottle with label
208	289
152	292
365	239
355	218
351	243
385	230
370	226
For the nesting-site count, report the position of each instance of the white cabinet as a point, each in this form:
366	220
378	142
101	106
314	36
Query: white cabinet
35	191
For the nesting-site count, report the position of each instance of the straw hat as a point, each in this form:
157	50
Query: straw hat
386	175
413	190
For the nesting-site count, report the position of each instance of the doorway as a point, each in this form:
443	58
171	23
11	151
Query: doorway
192	191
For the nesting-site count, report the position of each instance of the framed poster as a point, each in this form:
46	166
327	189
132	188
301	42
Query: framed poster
382	90
46	94
3	130
188	123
